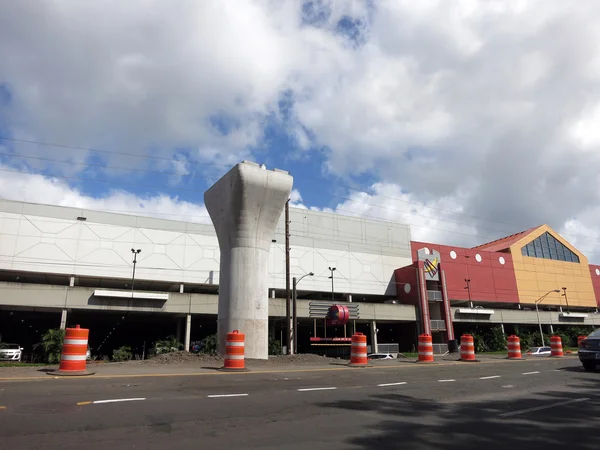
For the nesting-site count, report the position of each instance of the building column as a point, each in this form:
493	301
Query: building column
181	288
188	330
374	345
551	329
502	327
63	319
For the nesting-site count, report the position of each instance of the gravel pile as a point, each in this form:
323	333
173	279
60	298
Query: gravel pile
283	360
185	358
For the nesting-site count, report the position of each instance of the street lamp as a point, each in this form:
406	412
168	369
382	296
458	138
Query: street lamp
538	312
564	294
468	288
332	269
135	253
295	312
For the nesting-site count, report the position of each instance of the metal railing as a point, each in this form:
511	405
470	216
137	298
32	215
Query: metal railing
440	349
434	296
388	348
438	324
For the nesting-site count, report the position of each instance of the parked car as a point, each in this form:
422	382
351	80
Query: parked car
379	356
589	351
10	352
539	351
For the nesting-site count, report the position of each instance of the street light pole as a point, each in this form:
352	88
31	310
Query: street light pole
566	299
295	311
332	269
468	288
135	253
537	311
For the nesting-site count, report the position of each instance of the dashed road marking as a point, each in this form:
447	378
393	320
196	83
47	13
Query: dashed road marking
530	373
118	400
392	384
317	389
490	377
445	381
540	408
226	395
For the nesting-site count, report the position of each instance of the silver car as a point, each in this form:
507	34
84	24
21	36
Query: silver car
10	352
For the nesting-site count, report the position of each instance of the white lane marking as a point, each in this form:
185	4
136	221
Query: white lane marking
490	377
530	373
539	408
392	384
117	400
227	395
445	381
317	389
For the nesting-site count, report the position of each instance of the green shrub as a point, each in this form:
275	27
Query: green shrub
51	344
122	354
209	344
275	347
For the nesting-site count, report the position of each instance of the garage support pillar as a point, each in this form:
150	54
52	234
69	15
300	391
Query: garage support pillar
374	345
63	319
188	330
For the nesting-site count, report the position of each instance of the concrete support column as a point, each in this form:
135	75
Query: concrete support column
188	331
551	329
181	288
245	206
502	327
63	319
72	282
374	345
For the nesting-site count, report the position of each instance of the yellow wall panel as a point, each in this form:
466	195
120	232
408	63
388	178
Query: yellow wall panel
536	276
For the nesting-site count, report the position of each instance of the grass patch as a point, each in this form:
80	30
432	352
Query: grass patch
20	364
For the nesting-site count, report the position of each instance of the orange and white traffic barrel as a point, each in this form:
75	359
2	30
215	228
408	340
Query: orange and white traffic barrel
358	350
514	347
73	358
556	348
467	348
425	348
234	351
580	339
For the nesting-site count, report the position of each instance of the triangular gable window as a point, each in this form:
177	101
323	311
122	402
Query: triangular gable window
548	247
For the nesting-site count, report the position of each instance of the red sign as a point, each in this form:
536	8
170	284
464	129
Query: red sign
338	315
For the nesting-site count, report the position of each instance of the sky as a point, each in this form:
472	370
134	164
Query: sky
469	120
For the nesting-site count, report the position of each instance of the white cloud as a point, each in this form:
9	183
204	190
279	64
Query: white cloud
483	108
35	188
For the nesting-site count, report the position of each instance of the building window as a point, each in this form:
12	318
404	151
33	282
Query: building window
548	247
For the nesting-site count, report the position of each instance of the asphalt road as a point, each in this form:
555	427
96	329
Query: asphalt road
542	403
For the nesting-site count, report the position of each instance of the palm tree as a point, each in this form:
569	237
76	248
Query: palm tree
52	342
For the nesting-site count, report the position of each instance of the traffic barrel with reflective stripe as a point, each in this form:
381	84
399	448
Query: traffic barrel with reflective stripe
580	339
425	348
514	347
467	348
556	348
358	350
234	351
73	358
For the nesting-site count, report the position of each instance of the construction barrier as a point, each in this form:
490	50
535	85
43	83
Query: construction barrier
579	339
425	348
467	348
73	358
358	350
556	349
514	347
234	351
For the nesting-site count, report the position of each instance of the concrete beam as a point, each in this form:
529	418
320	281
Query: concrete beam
245	206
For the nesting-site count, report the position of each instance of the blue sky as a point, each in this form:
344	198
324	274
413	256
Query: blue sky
408	111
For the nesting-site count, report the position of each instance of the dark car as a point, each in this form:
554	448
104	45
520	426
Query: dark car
589	351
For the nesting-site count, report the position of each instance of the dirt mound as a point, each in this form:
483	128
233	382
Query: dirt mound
184	358
282	360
